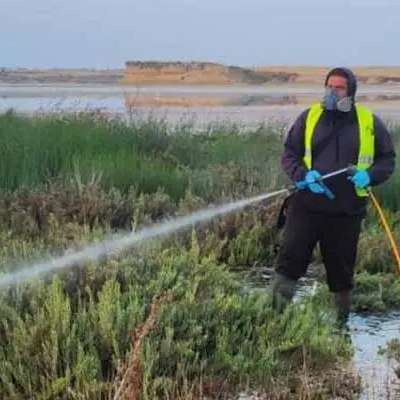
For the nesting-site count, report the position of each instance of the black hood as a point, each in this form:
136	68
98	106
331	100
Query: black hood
350	77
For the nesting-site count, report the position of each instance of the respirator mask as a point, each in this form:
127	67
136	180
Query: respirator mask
332	102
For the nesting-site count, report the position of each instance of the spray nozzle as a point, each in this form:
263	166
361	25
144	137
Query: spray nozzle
303	184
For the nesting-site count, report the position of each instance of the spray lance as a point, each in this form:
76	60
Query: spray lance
303	184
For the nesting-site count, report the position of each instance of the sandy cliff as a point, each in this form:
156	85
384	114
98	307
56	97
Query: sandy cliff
153	72
192	73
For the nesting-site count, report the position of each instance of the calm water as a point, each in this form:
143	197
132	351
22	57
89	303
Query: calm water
36	98
39	90
201	117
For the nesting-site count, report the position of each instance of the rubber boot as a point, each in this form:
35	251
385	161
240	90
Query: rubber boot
283	290
342	303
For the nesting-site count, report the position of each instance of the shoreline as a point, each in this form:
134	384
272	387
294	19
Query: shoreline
278	90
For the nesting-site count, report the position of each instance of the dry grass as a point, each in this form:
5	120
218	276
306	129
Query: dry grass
343	382
129	377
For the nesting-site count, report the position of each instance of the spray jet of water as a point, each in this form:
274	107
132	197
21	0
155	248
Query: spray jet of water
116	245
98	251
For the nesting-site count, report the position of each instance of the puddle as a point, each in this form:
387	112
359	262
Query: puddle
369	334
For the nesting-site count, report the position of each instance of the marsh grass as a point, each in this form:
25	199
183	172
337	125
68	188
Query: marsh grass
145	156
75	329
71	179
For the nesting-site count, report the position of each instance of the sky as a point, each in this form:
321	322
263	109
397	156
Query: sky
105	34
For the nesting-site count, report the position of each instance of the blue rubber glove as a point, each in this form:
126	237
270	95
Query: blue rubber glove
311	177
360	179
309	182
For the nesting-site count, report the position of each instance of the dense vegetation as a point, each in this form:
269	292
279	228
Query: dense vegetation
71	179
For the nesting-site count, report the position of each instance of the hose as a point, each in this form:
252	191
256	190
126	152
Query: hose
386	227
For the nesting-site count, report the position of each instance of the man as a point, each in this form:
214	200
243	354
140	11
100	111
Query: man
324	138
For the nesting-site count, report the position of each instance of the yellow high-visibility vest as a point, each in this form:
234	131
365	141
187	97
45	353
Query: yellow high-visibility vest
366	150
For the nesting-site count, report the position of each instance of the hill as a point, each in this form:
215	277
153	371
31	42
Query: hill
315	74
176	72
157	72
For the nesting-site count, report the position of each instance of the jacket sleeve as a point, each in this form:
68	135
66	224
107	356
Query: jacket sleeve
385	156
293	152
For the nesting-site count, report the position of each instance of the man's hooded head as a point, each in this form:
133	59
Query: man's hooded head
341	89
346	74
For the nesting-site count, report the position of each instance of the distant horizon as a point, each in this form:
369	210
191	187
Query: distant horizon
250	66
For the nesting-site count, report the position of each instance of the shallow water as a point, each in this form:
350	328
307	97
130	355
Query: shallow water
199	118
111	98
368	333
377	372
39	90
